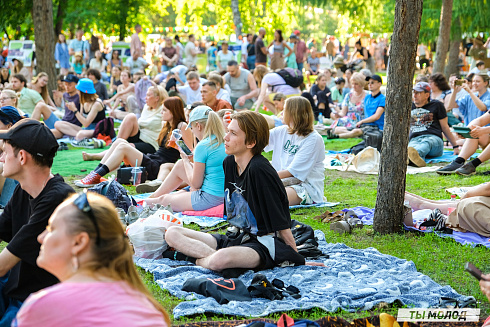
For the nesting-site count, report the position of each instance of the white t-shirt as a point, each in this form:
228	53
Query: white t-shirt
191	96
277	84
95	64
135	66
301	156
224	58
224	95
189	58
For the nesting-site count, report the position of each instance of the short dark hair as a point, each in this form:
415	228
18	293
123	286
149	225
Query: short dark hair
232	63
95	73
21	78
479	63
191	35
38	160
211	84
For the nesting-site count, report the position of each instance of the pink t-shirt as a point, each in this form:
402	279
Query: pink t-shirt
92	304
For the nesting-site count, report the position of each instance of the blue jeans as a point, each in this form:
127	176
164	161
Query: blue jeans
8	307
300	65
7	191
428	145
251	62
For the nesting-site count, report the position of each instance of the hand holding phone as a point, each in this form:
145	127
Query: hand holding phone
475	272
181	144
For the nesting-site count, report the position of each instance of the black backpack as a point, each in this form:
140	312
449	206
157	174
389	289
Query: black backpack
116	193
105	127
292	77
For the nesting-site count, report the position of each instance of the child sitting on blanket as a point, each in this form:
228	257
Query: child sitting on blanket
298	153
205	176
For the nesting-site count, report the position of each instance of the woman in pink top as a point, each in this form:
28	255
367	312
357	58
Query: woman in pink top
84	246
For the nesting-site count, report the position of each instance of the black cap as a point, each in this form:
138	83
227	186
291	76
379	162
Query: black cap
70	78
33	136
375	77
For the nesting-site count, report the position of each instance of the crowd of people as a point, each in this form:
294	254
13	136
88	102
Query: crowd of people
200	139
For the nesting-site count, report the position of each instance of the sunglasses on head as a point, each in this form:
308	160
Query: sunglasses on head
82	204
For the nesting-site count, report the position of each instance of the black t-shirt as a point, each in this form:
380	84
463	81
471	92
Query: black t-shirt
23	219
255	201
251	49
101	91
164	154
361	52
260	57
425	120
321	95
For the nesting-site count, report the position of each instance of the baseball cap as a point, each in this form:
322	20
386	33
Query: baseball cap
199	113
375	77
297	32
9	115
33	136
70	78
422	87
85	85
293	36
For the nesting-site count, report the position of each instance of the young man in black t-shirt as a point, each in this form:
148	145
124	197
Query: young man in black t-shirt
28	151
256	205
428	122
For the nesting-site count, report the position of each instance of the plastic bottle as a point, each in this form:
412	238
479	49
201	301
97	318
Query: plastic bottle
452	206
320	118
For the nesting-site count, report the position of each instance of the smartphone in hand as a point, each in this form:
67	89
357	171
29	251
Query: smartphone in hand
475	272
181	144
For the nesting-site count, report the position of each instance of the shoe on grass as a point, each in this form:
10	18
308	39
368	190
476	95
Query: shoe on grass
85	143
331	135
467	170
90	180
449	169
148	186
415	158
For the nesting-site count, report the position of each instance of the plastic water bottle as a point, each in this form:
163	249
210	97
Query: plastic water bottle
320	118
452	206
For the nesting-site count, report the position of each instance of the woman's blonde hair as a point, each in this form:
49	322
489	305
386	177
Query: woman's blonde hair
13	95
358	78
159	92
259	73
298	113
113	256
213	126
217	79
44	89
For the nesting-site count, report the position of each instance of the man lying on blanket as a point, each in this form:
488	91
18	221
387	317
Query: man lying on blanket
256	204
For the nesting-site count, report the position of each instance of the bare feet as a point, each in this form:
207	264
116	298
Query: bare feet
86	156
92	156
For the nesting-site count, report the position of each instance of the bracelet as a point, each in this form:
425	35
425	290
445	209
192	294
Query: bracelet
456	146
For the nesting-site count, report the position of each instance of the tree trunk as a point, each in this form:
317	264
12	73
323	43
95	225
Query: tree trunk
42	17
388	215
237	19
452	61
443	38
59	17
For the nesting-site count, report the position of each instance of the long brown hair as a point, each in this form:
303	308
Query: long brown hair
85	97
44	89
297	110
176	107
113	257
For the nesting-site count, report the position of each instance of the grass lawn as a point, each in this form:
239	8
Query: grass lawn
439	258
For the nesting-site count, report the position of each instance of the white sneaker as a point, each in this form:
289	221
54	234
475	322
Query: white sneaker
148	186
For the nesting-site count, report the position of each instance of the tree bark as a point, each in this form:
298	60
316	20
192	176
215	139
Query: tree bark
452	61
237	19
42	17
443	38
388	215
60	14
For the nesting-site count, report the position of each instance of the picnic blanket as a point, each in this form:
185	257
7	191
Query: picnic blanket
354	279
366	215
188	217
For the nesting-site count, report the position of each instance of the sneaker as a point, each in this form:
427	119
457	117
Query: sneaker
415	158
449	169
331	135
85	143
148	186
98	143
90	180
467	170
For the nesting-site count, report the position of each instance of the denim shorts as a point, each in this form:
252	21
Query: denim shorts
201	200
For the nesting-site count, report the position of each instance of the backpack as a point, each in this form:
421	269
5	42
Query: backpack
116	193
374	139
292	77
105	127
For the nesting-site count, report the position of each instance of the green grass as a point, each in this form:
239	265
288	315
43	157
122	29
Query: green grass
439	258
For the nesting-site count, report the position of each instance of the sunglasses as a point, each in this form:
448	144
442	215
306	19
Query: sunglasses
82	204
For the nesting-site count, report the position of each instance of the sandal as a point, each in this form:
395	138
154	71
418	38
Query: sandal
333	216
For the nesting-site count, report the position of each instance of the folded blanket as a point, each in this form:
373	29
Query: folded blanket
353	280
211	212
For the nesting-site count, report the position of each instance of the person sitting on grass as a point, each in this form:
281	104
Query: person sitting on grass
121	150
428	122
118	103
84	246
91	111
374	108
276	120
321	95
141	132
471	213
256	203
298	153
205	176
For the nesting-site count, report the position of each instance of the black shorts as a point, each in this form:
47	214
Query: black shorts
369	128
140	145
283	251
152	167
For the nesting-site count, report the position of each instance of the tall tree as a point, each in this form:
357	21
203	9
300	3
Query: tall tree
388	215
42	16
237	18
60	14
443	38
